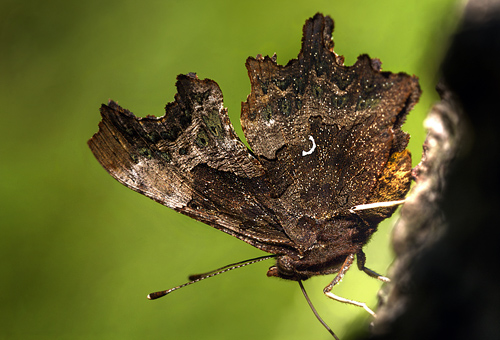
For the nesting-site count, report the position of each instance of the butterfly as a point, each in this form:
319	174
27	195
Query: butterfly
327	160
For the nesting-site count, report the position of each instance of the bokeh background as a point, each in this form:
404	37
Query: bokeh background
78	251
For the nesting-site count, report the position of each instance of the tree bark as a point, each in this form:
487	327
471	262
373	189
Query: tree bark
445	281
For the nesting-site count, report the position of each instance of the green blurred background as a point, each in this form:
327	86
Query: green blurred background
78	251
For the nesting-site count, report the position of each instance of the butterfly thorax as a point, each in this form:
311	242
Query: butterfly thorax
329	246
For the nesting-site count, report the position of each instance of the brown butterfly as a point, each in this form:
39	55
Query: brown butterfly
328	158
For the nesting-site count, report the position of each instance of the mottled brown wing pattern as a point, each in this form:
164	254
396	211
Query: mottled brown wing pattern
326	132
192	161
325	137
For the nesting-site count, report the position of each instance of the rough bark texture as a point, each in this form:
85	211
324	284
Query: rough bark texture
445	281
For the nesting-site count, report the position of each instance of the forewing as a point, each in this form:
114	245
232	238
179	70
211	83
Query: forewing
191	160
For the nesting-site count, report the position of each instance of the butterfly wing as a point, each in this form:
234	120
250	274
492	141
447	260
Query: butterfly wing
328	134
191	160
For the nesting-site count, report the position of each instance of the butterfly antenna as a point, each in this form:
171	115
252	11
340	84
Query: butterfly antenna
315	312
198	277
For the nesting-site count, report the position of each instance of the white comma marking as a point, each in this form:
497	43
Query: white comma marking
305	153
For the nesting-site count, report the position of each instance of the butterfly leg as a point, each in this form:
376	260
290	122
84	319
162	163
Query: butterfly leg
328	289
361	259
